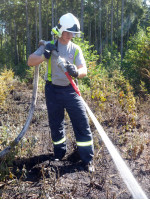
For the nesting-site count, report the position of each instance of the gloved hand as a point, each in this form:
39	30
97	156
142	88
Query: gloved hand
72	69
42	42
48	49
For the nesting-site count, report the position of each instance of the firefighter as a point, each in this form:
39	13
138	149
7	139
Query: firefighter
60	94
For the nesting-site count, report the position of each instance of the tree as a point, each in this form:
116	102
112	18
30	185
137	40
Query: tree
122	26
82	16
117	27
16	46
40	21
36	24
100	25
28	44
136	63
112	12
52	14
104	23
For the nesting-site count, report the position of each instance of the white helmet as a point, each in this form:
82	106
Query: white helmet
67	22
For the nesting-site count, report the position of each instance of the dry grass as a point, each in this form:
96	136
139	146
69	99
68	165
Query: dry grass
31	172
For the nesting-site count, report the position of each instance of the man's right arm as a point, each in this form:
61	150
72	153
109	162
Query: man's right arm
35	60
41	54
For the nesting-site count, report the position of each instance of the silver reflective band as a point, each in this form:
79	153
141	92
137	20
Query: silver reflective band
47	50
84	144
60	141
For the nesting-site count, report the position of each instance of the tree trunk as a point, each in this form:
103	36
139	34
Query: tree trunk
2	37
107	25
128	32
23	48
16	49
46	28
82	17
40	21
12	39
36	25
112	23
117	25
100	25
52	13
95	39
28	44
122	26
89	30
52	16
55	18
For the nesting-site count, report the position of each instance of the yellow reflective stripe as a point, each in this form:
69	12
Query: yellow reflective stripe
49	70
76	53
84	144
49	66
49	63
60	141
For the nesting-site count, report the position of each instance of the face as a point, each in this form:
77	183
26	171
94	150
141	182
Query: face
66	37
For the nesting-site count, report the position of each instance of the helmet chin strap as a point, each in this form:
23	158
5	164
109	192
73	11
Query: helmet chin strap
56	32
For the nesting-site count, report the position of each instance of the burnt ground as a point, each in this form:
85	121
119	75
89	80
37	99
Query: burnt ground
33	174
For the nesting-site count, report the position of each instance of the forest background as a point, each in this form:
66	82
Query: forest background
116	46
116	30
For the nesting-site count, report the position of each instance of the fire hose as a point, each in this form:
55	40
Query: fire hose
125	173
31	111
29	118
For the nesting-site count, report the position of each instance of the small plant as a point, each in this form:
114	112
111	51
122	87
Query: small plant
30	75
6	84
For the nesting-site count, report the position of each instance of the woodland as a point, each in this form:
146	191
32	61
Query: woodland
115	40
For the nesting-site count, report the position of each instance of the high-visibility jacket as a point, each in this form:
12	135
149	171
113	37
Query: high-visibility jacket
49	62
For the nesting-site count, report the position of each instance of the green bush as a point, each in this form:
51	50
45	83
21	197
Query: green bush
6	84
136	63
90	56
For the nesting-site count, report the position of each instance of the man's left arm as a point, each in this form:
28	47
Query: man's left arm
82	71
79	70
81	64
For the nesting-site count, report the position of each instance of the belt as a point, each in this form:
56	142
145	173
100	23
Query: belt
57	86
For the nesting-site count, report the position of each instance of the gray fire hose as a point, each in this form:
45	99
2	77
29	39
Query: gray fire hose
125	173
31	111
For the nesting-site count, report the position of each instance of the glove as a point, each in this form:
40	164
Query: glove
72	70
48	49
42	42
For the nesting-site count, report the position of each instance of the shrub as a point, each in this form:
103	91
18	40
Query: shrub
30	75
90	55
136	63
6	84
115	91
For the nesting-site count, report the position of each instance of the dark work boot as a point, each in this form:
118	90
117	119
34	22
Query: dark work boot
90	167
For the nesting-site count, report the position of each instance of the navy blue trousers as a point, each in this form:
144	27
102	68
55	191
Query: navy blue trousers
59	98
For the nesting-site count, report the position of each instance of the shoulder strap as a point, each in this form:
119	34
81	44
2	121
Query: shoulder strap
49	66
52	42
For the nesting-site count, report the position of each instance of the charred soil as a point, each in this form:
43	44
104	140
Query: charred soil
34	174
